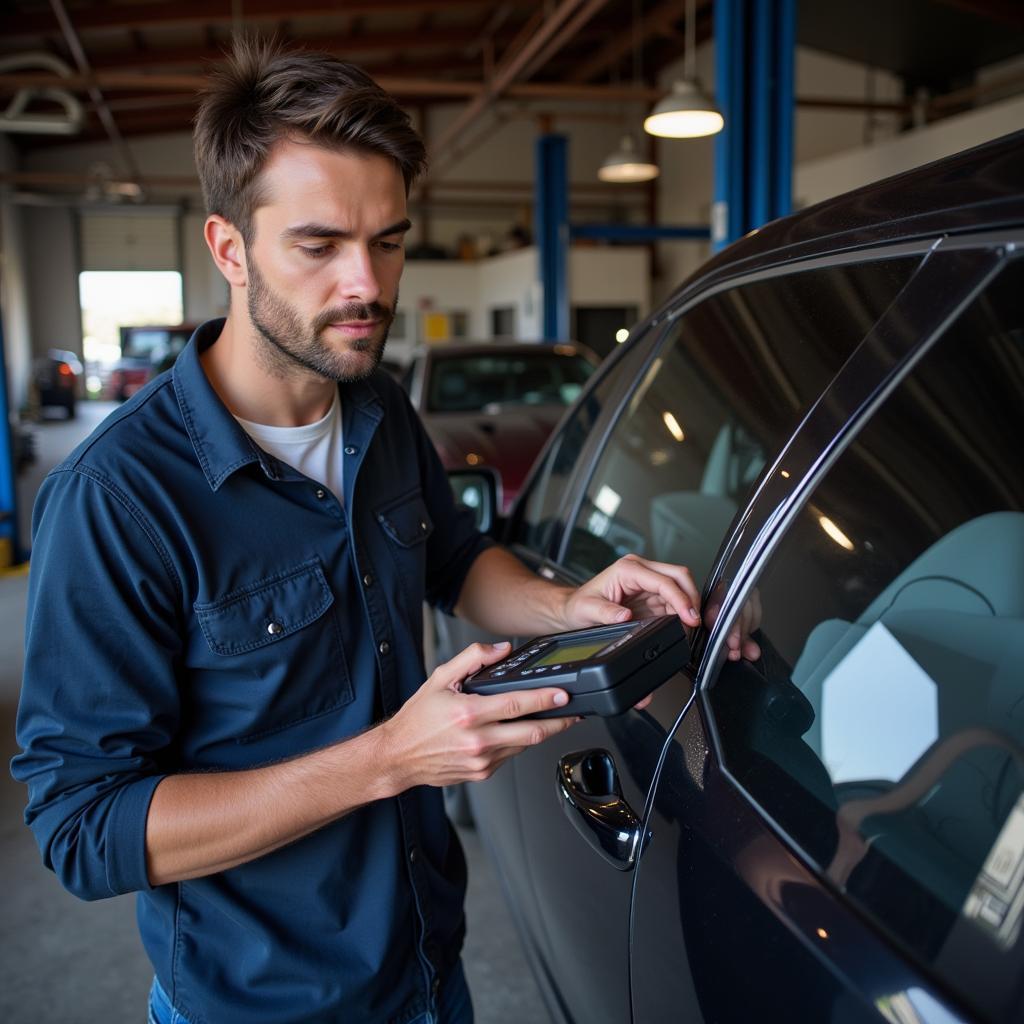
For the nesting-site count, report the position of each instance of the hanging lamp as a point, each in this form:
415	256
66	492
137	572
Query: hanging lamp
626	165
685	113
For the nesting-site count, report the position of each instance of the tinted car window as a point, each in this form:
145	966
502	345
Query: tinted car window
732	381
883	729
469	383
537	516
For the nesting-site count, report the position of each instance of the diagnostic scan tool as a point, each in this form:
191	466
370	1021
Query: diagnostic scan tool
604	669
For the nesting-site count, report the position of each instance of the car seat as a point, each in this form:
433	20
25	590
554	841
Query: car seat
958	611
687	526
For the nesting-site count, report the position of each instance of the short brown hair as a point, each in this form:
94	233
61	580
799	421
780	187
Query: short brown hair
264	93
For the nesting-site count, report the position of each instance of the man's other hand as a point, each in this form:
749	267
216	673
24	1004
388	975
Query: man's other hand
442	736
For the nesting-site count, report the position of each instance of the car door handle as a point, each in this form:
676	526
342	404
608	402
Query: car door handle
591	797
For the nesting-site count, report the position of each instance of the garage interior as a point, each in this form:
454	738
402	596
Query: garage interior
515	235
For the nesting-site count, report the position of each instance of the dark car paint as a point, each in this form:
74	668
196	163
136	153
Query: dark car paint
721	915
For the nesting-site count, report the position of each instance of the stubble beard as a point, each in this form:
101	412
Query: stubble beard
291	346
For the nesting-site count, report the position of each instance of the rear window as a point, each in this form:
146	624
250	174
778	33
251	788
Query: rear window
474	382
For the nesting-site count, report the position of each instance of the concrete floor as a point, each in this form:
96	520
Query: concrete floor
70	962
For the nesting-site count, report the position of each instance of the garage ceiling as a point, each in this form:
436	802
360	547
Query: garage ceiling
137	64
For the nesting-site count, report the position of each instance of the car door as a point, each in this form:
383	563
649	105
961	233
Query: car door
838	829
709	402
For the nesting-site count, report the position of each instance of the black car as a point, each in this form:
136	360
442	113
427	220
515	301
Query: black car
826	424
57	377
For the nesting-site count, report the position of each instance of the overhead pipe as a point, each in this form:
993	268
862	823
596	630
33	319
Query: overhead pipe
15	118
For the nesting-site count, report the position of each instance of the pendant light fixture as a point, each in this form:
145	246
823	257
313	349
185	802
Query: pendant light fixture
685	113
626	165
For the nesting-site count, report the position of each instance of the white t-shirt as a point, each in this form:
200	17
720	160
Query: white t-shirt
314	449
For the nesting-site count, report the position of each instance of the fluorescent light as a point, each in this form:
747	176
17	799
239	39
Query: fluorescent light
625	165
685	113
835	533
673	426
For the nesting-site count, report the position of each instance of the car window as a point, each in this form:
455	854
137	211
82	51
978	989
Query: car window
471	383
733	379
883	727
538	514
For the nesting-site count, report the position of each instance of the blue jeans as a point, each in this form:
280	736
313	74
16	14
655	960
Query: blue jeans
455	1006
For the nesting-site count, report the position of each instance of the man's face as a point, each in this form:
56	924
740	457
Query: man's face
324	265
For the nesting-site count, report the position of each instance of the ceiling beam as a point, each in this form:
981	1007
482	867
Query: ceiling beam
339	45
221	12
106	118
540	47
656	22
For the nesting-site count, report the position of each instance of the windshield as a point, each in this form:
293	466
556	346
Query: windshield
472	382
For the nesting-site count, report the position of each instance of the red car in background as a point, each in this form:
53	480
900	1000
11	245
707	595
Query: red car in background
146	351
494	404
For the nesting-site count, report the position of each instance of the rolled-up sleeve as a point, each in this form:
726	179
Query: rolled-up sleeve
100	703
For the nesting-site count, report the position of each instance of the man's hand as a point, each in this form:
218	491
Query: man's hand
633	588
441	736
739	642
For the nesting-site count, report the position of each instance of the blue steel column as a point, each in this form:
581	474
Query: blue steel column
9	553
551	229
754	55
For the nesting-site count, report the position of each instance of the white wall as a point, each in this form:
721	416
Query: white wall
511	279
51	269
13	289
610	276
598	276
816	180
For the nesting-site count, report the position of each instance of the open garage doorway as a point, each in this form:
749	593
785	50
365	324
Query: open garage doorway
113	303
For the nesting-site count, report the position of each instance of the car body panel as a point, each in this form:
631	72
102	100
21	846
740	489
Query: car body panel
727	915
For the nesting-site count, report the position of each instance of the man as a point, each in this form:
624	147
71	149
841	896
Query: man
224	707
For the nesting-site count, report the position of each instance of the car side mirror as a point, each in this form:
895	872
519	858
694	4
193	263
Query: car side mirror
479	490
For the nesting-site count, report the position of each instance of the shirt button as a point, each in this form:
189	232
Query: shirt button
435	986
412	855
273	628
368	580
350	450
423	526
320	493
384	647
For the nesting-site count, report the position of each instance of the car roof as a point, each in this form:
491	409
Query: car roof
979	189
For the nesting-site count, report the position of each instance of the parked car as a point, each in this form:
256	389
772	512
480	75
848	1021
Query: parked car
494	404
825	424
145	352
57	377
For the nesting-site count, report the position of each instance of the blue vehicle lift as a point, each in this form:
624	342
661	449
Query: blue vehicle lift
553	233
755	43
9	550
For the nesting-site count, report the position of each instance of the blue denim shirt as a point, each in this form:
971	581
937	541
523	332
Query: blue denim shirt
165	547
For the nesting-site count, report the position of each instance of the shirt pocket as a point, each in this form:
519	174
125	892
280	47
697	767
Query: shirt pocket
278	637
407	526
